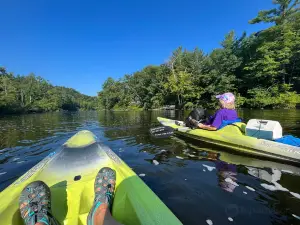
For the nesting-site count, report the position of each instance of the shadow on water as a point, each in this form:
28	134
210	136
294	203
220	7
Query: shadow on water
196	181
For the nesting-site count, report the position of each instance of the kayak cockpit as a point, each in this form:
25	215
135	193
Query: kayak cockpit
70	174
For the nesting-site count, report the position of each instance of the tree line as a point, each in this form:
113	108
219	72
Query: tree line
32	93
262	69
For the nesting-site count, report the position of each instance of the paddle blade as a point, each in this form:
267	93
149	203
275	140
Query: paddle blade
161	132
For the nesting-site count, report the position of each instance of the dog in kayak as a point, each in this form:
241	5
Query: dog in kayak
224	116
195	117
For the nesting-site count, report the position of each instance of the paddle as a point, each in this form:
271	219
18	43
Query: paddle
162	132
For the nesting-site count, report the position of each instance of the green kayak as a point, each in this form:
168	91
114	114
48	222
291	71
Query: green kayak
70	173
233	137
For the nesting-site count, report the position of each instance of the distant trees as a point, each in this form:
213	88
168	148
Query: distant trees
262	69
34	94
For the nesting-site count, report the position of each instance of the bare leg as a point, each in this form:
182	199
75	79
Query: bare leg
102	216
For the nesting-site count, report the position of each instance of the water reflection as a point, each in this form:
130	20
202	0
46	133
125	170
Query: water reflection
226	175
273	178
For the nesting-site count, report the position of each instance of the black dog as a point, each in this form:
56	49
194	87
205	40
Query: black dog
195	117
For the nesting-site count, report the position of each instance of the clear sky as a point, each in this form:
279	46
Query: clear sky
79	44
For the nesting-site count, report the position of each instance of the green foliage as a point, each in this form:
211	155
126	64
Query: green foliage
273	98
189	105
288	100
143	89
239	101
34	94
284	9
263	70
181	85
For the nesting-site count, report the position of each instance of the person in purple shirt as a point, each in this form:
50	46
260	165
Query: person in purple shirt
226	112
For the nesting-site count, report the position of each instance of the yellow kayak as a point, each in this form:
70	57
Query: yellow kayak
233	137
70	173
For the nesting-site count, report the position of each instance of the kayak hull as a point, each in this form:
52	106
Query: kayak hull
233	137
70	174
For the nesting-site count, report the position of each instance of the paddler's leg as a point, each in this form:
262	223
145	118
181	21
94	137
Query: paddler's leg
104	190
35	205
102	216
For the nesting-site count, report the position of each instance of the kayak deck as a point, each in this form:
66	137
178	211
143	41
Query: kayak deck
70	174
233	137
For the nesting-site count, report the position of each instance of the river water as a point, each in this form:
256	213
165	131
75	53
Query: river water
190	179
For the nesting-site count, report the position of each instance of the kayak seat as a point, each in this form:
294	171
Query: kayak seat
229	122
237	128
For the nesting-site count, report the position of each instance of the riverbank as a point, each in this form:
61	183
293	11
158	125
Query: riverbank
130	109
290	106
25	112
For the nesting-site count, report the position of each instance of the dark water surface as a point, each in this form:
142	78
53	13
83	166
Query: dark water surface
190	178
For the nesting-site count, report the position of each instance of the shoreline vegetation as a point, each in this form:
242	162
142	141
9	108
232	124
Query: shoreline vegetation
33	94
262	69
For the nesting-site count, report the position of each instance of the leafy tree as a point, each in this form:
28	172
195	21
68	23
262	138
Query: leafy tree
181	85
278	15
34	94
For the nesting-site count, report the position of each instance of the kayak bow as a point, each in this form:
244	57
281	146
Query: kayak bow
70	174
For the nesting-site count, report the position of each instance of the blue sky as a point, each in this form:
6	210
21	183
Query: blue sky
79	44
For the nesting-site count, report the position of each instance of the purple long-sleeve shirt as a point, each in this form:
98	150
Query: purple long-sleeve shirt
222	114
